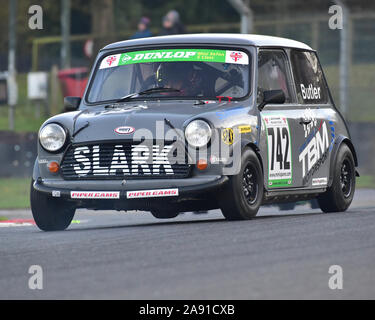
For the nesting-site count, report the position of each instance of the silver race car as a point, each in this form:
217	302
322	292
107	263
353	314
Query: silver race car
195	122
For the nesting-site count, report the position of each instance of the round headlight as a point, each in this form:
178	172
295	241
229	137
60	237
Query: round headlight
52	137
198	133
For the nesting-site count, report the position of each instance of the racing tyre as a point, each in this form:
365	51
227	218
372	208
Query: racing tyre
164	214
50	214
339	195
243	194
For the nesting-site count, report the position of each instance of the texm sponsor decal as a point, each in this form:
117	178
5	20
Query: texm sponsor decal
315	151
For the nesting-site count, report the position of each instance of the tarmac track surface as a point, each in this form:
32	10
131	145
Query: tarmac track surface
111	255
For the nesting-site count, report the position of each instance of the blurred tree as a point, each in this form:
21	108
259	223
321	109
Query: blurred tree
51	27
102	25
127	14
104	17
191	12
80	17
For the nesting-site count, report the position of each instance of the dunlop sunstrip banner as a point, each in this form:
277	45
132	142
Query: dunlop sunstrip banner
174	55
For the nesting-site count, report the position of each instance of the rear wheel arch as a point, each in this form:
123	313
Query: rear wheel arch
340	193
338	143
352	149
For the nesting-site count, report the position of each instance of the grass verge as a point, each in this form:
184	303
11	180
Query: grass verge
366	182
14	193
27	118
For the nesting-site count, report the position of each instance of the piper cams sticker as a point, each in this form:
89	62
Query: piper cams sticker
279	151
95	194
174	55
152	193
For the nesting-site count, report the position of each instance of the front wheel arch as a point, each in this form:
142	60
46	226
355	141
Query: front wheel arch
36	170
234	203
255	148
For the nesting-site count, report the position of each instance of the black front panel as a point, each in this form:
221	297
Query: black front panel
124	161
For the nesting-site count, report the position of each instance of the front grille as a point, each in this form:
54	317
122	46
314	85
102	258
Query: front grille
124	161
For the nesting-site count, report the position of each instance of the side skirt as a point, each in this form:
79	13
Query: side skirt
291	195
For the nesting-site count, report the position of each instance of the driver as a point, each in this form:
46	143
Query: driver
181	76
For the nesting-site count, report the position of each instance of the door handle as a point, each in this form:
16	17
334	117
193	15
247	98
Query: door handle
305	121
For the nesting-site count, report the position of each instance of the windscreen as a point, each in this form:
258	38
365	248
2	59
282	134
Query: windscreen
192	73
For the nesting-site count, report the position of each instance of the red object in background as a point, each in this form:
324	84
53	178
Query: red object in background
73	81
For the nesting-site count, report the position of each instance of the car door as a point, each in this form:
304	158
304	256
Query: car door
281	131
317	120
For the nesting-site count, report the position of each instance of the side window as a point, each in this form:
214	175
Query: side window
273	73
308	77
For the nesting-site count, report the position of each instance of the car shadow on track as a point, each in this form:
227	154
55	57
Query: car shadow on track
172	222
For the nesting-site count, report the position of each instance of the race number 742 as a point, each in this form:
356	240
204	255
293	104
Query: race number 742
279	151
279	154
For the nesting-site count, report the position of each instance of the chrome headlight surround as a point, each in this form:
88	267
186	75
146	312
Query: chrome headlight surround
198	133
52	137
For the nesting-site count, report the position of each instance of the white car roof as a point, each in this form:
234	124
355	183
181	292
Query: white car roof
213	38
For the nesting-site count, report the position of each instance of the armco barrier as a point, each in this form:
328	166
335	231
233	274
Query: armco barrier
363	136
17	153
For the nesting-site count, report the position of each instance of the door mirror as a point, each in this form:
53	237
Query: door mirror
272	96
71	103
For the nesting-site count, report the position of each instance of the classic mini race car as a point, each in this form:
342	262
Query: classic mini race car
195	122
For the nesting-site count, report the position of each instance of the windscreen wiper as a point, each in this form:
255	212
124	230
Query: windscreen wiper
146	92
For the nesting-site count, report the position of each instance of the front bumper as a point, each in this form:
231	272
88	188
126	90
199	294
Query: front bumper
189	188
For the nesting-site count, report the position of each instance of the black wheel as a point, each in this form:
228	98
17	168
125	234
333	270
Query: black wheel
50	214
339	196
164	214
243	194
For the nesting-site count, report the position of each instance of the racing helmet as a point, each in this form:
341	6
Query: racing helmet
174	72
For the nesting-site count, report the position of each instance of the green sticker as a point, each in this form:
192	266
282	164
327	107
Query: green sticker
173	55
